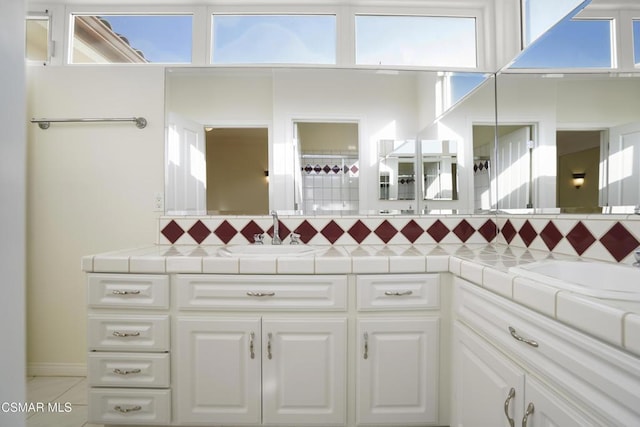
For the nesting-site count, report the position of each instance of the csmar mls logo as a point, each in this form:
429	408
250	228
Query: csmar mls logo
61	407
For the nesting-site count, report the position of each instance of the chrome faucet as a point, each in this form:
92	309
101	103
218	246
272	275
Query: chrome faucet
636	254
276	229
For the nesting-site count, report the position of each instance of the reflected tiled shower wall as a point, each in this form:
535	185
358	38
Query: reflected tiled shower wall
329	184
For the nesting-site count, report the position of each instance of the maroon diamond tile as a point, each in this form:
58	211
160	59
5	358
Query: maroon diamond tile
412	231
332	232
172	231
385	231
619	242
250	230
464	230
550	235
354	169
283	231
527	233
225	232
306	231
438	231
580	238
199	232
508	231
359	231
489	230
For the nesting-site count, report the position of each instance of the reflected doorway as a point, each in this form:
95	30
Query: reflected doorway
578	152
237	170
328	169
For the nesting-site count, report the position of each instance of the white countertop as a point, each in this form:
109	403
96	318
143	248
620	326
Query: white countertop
486	265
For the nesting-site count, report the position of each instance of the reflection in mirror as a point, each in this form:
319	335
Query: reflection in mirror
378	104
483	154
329	170
396	169
440	170
570	124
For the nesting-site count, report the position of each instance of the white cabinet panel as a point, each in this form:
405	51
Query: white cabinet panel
261	292
128	332
129	406
128	291
107	369
397	370
218	370
398	291
304	371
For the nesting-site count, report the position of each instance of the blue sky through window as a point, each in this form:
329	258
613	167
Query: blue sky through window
570	44
276	39
161	38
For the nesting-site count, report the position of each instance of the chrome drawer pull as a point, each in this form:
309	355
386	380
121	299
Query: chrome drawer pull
398	294
126	372
127	410
119	292
510	396
261	294
366	346
532	343
528	412
125	334
252	352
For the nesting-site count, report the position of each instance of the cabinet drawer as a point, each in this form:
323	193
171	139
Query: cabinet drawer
398	291
128	369
261	292
130	333
126	406
128	291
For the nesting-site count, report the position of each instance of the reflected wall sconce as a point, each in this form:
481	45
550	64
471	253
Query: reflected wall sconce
266	173
578	179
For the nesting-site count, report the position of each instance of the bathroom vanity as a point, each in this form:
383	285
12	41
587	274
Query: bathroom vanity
351	336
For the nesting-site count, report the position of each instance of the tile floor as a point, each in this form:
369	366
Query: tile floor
72	390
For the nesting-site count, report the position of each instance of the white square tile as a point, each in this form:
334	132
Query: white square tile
147	264
86	263
220	265
535	295
184	264
437	263
471	272
454	265
370	264
296	265
587	315
258	266
111	263
332	265
632	333
407	264
498	282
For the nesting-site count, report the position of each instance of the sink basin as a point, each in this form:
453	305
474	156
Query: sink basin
267	251
596	279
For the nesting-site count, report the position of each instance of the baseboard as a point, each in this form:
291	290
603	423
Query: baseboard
56	370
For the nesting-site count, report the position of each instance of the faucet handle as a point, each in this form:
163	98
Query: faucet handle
636	254
295	238
258	239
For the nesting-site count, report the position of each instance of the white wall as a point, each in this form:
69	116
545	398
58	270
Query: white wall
91	189
12	208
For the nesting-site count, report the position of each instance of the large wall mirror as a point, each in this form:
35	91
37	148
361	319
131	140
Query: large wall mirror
569	142
308	140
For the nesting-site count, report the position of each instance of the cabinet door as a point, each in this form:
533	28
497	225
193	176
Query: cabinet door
482	382
548	409
397	371
304	371
217	371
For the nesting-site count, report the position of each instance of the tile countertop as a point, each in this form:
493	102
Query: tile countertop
486	265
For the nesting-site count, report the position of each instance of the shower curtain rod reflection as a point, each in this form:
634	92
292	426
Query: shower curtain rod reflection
141	122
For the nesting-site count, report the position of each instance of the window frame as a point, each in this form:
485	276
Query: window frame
40	15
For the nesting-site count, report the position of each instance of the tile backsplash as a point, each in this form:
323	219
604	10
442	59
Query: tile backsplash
606	238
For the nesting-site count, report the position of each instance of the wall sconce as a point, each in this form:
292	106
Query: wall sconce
578	179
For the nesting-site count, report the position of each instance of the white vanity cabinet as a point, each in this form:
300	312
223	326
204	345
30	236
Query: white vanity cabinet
510	363
128	365
238	368
397	353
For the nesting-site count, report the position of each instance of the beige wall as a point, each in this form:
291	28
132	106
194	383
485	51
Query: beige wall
90	189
